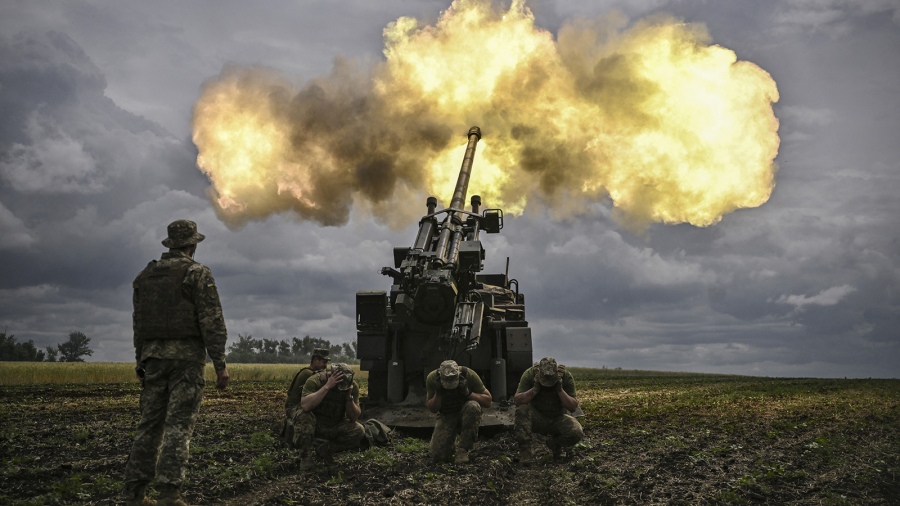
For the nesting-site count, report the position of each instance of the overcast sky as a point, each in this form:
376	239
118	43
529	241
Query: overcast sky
96	159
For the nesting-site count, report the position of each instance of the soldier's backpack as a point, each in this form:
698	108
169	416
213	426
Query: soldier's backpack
376	433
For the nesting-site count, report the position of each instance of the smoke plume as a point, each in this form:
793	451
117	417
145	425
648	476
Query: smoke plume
651	115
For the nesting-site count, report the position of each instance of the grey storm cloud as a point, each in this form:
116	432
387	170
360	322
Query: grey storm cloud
90	174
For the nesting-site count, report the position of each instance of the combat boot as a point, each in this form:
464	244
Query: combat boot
307	463
170	496
462	456
525	456
326	452
305	460
555	448
135	495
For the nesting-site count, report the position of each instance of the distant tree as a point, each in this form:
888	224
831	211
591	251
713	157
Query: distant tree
349	351
270	346
296	347
243	345
307	346
75	348
51	354
13	351
296	351
243	350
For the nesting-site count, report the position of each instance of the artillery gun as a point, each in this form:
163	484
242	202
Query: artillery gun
439	307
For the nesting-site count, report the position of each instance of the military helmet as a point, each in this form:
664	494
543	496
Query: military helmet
321	353
344	369
548	372
182	233
449	373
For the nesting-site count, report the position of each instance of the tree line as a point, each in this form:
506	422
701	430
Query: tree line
248	349
72	350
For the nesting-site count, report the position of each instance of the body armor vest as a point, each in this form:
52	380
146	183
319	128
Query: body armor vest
547	402
451	400
332	409
294	382
293	398
162	312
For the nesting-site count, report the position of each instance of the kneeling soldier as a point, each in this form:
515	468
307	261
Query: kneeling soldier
457	394
330	410
318	362
544	400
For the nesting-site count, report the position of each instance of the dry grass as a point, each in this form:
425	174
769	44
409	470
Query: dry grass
84	373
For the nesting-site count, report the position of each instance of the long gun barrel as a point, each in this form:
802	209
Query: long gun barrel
462	182
448	240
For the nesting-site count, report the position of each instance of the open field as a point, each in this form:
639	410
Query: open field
651	438
84	373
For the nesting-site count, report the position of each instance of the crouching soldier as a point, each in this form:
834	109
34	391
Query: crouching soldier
330	412
457	394
544	399
292	410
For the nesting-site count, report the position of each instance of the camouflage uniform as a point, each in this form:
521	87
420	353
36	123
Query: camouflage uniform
457	414
545	413
328	420
295	391
292	408
177	322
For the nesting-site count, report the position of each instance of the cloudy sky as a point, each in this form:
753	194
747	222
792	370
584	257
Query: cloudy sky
96	157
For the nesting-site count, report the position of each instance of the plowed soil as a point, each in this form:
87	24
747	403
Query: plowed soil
650	439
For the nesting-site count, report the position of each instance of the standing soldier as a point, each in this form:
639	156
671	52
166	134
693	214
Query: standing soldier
318	362
457	394
329	411
177	322
544	400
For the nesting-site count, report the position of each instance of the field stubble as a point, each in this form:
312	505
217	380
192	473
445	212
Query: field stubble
651	438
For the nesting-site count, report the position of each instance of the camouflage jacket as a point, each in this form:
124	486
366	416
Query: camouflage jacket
331	411
199	288
547	400
453	404
295	391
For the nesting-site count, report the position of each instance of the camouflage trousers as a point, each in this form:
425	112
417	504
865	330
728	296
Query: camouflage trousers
465	423
564	430
170	401
346	435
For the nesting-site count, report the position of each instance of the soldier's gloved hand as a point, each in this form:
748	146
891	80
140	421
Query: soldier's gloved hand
463	388
561	372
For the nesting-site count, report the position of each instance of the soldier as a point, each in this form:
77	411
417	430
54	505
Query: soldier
177	322
544	399
318	362
457	394
329	411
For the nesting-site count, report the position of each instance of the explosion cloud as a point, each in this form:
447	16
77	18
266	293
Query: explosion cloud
668	126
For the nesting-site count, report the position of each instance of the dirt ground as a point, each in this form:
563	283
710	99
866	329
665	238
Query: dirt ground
649	440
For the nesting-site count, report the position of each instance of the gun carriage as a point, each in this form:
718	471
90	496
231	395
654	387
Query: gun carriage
440	306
